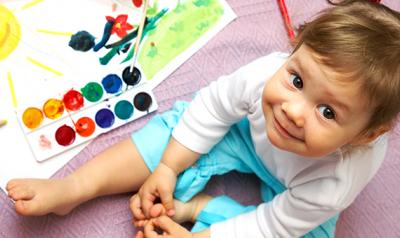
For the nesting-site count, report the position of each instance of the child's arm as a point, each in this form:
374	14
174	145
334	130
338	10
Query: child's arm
161	183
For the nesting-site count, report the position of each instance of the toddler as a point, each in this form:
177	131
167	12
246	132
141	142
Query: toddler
311	125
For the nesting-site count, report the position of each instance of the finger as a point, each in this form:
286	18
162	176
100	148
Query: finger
139	234
168	202
147	201
149	230
136	208
140	223
165	223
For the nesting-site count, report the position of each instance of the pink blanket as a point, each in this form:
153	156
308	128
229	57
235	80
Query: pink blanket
257	31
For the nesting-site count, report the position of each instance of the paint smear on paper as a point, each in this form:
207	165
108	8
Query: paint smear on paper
176	32
44	143
10	32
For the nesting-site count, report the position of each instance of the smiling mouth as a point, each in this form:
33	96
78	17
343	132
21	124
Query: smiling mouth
281	130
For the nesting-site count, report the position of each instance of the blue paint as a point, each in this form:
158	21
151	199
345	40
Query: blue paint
112	83
123	109
105	118
106	36
81	41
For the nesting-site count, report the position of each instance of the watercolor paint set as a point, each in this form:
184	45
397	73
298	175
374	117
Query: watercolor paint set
60	123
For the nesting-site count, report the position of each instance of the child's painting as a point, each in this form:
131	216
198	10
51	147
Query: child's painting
49	47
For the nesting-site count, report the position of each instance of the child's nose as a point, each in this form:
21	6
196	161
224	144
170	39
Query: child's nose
295	112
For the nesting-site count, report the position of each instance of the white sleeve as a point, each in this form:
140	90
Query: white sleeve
285	216
220	105
318	194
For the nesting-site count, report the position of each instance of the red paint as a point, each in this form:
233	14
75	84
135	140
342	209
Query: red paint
137	3
65	135
73	100
85	126
120	26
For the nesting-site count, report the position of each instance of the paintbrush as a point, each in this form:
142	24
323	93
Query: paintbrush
139	36
3	123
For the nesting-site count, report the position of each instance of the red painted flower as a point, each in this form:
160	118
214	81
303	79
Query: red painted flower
121	26
137	3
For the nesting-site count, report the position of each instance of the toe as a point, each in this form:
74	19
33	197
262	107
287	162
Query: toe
19	193
20	207
26	208
11	184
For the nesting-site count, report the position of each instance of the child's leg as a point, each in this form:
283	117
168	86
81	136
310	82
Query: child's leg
118	169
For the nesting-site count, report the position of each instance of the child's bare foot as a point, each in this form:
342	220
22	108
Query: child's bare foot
35	197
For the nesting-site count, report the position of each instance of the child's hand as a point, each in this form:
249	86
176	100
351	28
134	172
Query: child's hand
170	229
160	184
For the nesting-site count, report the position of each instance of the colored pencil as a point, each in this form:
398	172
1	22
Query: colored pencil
286	18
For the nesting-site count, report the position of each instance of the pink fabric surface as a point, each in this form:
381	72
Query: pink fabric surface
257	31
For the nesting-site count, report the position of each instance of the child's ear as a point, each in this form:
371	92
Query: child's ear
371	135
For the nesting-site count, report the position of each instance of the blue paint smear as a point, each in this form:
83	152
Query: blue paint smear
105	118
112	83
106	36
82	41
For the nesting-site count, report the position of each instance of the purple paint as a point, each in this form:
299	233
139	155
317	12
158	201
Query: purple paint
105	118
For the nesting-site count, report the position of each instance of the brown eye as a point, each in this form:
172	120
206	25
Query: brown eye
326	112
296	81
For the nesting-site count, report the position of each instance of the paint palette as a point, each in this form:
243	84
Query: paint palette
59	124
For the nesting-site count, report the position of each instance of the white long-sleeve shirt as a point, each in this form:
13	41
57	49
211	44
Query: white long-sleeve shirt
317	189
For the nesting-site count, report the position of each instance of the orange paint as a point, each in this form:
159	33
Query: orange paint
85	126
32	117
53	108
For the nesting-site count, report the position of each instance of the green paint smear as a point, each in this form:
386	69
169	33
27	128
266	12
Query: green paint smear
92	91
176	32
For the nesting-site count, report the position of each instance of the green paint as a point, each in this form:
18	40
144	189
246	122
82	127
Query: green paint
176	32
123	110
202	3
152	52
105	59
92	91
147	30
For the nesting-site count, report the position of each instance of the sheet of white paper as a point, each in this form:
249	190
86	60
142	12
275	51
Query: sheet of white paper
44	66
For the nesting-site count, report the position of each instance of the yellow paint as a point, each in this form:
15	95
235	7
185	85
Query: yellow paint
10	32
31	4
43	66
58	33
12	90
32	117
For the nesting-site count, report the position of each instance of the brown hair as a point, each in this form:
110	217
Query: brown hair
361	39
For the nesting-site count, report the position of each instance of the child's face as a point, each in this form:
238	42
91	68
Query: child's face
309	111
